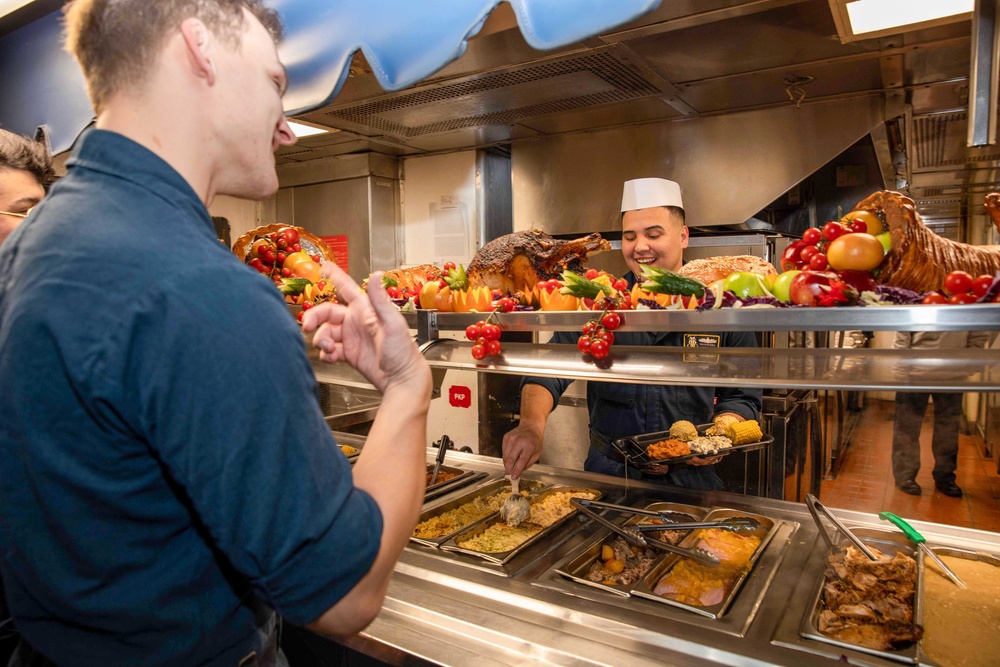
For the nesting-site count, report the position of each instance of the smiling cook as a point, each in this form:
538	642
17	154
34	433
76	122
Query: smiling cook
654	234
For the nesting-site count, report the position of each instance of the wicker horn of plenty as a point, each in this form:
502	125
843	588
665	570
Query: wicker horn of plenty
918	259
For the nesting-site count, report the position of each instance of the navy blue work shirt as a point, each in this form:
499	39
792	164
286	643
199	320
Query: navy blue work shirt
618	409
164	463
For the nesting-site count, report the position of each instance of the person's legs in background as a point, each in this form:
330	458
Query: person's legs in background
947	424
909	417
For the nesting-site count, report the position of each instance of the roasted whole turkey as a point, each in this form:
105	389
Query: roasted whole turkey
918	259
516	262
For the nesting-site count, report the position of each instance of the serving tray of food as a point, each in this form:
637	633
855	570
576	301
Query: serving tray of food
438	524
608	562
961	626
449	479
685	441
495	541
865	605
709	590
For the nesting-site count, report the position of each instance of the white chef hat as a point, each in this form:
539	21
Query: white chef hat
649	193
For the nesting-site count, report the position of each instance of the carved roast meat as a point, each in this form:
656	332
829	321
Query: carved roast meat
918	259
517	261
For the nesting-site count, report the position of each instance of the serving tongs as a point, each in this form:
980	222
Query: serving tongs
677	520
921	543
443	444
815	508
636	539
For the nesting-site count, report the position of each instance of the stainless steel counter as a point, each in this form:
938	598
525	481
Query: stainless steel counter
447	609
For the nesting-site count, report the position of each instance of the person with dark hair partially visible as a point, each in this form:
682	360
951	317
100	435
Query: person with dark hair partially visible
25	174
163	499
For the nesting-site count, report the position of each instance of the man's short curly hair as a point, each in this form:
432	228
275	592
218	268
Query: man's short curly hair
17	152
117	42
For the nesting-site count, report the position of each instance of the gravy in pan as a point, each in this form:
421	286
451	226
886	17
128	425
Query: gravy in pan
962	627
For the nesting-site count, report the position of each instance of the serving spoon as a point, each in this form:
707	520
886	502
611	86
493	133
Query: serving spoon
515	508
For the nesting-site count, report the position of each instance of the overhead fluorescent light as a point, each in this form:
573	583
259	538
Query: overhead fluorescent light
874	15
303	130
9	6
870	19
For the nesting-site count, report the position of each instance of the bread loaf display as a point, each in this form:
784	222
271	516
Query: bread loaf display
709	269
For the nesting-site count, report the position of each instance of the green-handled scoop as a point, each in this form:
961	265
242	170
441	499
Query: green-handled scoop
921	543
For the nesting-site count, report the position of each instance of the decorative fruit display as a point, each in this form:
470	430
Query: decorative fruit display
486	336
291	257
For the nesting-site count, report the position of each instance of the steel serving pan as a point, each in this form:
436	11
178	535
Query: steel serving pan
577	565
487	489
633	448
455	477
644	587
922	567
453	544
889	543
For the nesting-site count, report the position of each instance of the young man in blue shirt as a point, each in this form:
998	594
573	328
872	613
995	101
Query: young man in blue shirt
168	478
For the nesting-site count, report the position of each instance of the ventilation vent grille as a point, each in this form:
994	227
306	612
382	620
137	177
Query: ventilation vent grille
622	83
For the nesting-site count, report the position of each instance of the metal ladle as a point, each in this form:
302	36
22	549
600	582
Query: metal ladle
515	508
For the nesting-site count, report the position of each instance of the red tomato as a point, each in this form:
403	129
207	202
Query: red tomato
859	226
506	304
981	285
478	352
957	282
833	230
962	297
472	332
393	292
493	347
607	336
583	344
491	332
448	266
818	262
807	252
812	236
935	298
552	285
588	328
611	321
621	284
599	349
288	235
540	285
591	274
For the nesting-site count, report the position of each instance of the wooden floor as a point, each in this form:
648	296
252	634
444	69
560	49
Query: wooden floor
864	481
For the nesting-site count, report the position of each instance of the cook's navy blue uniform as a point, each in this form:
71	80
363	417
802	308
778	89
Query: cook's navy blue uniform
618	410
167	475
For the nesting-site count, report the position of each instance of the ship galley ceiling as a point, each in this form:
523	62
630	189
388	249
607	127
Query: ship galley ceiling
687	59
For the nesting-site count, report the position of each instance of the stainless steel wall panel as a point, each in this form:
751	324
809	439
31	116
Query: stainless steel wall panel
729	167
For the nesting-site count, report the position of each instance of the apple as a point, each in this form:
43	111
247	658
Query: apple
862	281
885	238
821	288
781	284
744	284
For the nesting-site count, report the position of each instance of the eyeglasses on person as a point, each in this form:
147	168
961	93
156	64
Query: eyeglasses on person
18	215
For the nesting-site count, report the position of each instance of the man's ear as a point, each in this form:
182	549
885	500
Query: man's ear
685	234
198	41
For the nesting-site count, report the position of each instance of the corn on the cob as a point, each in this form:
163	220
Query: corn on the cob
742	433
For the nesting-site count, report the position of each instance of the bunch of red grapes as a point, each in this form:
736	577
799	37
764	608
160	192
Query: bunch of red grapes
598	335
486	337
